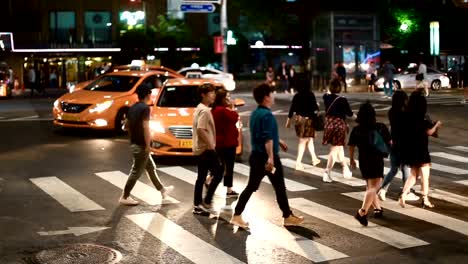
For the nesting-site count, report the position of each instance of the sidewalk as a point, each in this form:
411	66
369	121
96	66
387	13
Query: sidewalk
49	93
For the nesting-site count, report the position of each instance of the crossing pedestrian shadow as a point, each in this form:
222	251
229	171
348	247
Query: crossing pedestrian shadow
303	231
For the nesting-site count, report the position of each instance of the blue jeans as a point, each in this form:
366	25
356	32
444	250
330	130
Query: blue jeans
389	91
396	163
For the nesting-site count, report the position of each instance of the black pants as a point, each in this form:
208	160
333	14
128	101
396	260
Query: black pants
257	163
227	156
207	161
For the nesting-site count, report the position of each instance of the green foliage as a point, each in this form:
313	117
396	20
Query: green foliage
401	26
168	28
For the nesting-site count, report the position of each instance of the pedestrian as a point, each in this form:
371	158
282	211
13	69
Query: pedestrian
11	79
225	119
283	77
421	78
204	148
335	130
341	72
415	147
292	79
264	158
270	76
304	108
396	116
371	77
32	79
371	160
388	72
137	125
53	79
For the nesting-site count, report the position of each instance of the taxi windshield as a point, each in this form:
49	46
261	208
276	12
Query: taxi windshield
179	96
113	83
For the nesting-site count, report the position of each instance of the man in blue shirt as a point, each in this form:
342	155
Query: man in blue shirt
264	159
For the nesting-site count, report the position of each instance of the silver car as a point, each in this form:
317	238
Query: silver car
407	79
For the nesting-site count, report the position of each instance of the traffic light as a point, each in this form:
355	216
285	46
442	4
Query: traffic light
230	40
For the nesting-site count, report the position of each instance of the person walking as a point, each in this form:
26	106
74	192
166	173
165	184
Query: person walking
304	106
371	77
421	78
204	148
137	125
341	72
335	130
264	159
270	76
225	119
415	147
396	116
283	77
371	159
32	79
388	72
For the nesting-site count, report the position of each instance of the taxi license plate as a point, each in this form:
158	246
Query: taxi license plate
185	143
68	117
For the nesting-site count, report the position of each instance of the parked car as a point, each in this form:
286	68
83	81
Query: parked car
407	79
210	73
172	117
103	103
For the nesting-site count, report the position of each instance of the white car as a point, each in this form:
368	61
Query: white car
407	79
210	73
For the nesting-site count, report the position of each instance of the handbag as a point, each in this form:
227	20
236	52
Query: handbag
378	142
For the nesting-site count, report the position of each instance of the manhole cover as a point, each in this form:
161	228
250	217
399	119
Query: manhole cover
78	254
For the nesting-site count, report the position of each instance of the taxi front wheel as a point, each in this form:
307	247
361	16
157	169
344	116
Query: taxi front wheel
120	121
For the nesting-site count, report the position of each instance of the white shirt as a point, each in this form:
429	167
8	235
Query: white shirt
423	69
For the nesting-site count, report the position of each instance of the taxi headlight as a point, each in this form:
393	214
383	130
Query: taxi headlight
156	126
101	107
56	103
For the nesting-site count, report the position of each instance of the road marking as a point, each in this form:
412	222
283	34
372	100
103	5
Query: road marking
446	196
383	234
245	113
179	239
450	156
448	169
291	185
141	191
444	221
338	177
77	231
464	182
27	120
70	198
186	175
459	148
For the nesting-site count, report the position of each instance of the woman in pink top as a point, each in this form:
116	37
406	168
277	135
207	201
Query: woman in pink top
225	119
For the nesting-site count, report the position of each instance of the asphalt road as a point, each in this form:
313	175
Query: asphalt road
54	180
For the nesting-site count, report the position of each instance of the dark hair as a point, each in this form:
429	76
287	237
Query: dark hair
399	101
335	86
205	88
302	85
142	91
261	91
220	99
366	115
417	105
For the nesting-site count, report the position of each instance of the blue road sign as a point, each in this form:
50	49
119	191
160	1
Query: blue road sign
197	8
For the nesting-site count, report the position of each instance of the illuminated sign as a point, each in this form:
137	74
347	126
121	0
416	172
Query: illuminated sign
434	38
133	19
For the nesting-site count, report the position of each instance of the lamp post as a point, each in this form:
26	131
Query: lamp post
434	41
224	27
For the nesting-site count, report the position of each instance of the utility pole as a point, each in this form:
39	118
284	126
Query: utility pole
224	27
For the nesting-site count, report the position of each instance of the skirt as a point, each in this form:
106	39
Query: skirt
304	127
335	131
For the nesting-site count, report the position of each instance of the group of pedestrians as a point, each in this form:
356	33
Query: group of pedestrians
215	140
283	80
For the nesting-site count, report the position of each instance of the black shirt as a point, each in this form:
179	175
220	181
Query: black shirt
303	104
339	109
137	114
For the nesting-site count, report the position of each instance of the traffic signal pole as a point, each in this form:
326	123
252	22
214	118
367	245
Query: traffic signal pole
224	27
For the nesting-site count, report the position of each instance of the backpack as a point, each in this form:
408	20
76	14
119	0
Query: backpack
377	141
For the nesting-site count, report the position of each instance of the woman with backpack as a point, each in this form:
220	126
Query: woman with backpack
373	141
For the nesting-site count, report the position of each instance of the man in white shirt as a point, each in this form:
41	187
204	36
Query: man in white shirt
423	83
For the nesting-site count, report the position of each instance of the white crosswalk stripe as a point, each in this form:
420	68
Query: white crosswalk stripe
450	156
459	148
70	198
383	234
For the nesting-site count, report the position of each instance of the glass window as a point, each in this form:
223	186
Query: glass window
179	96
113	83
98	26
62	26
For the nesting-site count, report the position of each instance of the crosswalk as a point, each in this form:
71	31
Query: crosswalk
182	240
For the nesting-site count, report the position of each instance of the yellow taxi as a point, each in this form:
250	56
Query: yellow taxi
103	103
172	117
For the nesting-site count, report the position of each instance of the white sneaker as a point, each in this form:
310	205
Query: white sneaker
315	162
411	197
327	177
128	201
347	174
165	191
382	194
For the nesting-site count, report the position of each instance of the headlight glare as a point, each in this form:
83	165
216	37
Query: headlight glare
156	126
101	107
